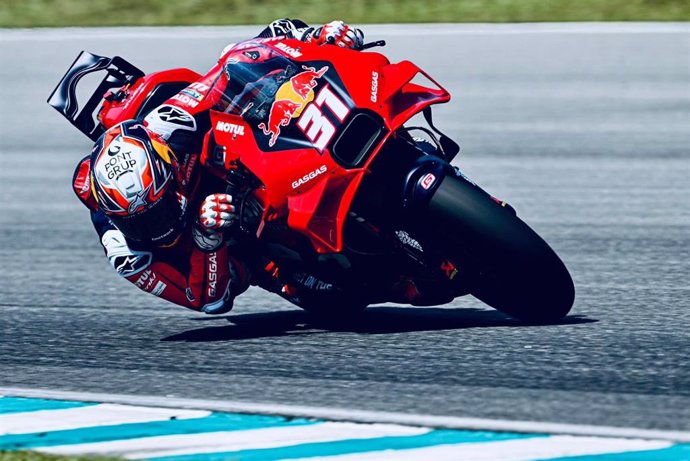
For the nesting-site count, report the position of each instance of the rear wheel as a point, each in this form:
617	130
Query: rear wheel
518	273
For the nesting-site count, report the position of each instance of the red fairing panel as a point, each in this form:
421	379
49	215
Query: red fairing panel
286	140
114	112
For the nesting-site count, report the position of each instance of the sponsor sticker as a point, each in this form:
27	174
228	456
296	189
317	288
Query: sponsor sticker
296	99
159	288
121	158
253	55
428	181
312	283
141	281
192	94
177	116
374	86
308	177
232	128
146	280
128	265
212	275
202	87
290	51
87	184
282	112
186	100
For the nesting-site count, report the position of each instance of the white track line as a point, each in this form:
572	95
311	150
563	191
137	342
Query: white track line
217	442
361	416
510	450
96	415
373	30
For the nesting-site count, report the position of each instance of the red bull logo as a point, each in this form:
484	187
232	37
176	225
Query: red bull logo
282	111
290	100
304	82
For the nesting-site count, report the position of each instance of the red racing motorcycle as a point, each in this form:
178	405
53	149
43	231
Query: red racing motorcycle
330	181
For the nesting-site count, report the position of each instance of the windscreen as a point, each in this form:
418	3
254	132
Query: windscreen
251	78
287	104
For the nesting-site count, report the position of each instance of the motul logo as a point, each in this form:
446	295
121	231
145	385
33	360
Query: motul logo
186	100
141	281
292	52
231	128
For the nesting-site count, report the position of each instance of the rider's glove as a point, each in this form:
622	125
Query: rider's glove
216	213
337	33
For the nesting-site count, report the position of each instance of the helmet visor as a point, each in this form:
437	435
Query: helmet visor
159	224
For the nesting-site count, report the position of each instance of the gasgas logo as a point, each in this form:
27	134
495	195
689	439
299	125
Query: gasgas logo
296	99
308	177
374	86
212	275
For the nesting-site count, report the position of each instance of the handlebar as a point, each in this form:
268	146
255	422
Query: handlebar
366	46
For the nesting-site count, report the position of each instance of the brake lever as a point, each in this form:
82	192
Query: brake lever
366	46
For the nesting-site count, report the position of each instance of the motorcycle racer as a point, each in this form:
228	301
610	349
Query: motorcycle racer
140	196
157	211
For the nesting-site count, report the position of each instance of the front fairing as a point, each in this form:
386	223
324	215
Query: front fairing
307	121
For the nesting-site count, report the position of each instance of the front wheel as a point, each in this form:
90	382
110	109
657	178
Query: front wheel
518	273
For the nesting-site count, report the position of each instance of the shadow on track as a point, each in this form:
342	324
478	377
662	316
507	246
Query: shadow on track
374	320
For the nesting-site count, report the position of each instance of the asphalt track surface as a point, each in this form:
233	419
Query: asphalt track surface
585	130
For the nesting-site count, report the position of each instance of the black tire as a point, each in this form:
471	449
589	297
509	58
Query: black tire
518	273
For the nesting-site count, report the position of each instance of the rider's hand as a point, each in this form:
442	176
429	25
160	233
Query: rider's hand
216	213
338	33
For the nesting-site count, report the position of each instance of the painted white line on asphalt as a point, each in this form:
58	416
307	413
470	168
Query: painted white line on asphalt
511	450
217	442
361	416
96	415
373	30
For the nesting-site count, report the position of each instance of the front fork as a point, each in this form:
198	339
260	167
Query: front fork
426	176
422	181
419	186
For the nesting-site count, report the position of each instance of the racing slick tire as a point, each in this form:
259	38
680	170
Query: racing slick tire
516	270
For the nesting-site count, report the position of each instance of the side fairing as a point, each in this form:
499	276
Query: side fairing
307	121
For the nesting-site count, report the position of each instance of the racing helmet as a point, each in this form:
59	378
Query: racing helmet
134	180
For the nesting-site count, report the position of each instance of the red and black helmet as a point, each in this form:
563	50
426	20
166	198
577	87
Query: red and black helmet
134	181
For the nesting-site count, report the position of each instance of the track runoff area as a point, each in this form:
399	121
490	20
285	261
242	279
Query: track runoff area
159	428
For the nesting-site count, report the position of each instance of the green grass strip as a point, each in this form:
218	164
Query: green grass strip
58	13
35	456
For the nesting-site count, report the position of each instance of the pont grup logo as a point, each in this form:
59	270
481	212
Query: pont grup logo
291	99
